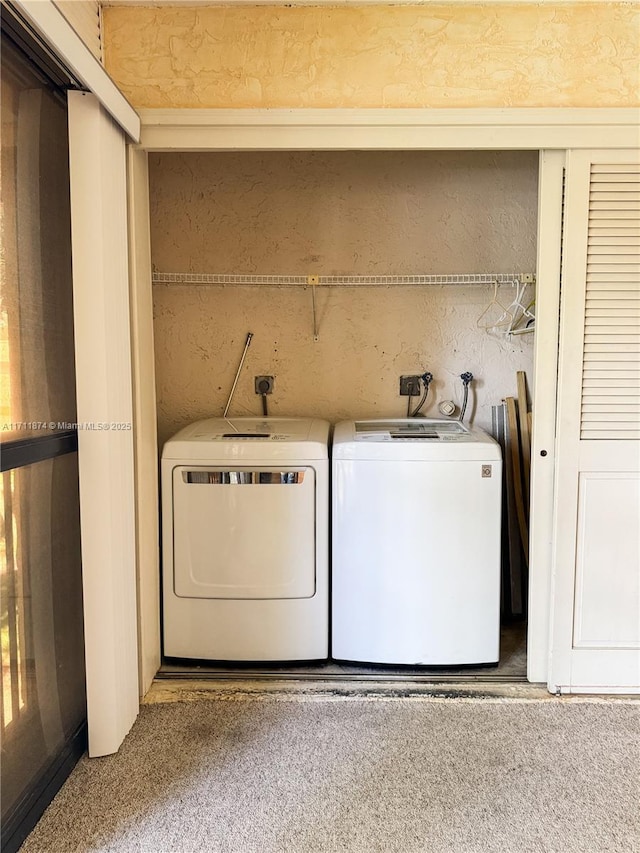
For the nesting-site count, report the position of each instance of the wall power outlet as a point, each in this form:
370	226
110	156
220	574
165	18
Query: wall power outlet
264	384
409	386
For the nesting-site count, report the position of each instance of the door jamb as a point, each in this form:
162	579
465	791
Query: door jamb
545	372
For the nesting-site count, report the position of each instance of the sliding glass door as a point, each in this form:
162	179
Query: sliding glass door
43	703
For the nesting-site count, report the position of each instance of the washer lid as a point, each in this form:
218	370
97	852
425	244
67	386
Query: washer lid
251	439
412	438
411	429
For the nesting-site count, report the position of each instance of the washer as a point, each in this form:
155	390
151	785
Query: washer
245	506
416	543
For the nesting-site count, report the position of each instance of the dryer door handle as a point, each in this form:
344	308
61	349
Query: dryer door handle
243	478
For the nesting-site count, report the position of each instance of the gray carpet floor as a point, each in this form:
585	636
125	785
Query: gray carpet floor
359	774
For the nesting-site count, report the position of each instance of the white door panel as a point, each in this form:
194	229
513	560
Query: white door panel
97	158
596	570
244	533
606	598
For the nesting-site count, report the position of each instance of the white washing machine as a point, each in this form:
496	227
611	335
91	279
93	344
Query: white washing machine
416	543
245	504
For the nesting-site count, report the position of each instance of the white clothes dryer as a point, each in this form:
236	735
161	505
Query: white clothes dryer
416	543
245	505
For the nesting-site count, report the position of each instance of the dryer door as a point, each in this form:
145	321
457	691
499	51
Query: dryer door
244	533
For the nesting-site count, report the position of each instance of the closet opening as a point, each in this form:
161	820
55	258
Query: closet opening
352	269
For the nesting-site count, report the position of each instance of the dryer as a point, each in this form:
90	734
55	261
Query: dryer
245	506
416	543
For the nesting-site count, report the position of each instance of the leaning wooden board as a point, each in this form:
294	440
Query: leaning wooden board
525	438
512	552
514	442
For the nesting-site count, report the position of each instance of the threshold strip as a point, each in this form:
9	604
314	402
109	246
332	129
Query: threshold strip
261	675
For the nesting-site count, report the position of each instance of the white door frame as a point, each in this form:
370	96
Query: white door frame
551	131
543	438
147	497
382	129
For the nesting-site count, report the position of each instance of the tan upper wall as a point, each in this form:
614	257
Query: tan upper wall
502	55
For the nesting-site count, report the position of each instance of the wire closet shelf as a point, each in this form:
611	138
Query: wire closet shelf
312	283
221	279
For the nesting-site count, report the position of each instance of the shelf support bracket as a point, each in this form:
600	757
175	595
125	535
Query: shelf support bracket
313	280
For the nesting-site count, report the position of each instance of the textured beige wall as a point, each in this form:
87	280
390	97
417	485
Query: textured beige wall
335	213
463	55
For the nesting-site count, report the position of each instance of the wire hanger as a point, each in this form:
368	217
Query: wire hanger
505	317
524	319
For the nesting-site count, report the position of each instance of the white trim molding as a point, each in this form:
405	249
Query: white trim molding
50	25
385	129
147	498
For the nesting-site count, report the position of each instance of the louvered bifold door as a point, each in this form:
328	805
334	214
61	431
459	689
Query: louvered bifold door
611	371
596	551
